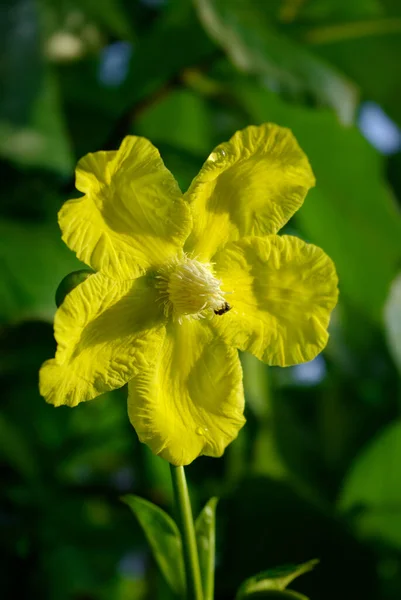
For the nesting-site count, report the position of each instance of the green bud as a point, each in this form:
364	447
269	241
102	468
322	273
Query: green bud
70	282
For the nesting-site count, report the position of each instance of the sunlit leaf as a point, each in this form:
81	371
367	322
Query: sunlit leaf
164	538
274	580
247	35
367	52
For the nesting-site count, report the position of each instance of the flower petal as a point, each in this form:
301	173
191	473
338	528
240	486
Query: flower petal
132	216
106	332
191	402
282	292
250	185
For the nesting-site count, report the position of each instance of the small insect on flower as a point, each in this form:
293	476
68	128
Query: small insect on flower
165	264
225	308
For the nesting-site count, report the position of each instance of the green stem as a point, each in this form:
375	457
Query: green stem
187	528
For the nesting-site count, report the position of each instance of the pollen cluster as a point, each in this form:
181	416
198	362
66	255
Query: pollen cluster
188	289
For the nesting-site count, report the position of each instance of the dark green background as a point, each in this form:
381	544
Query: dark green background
316	472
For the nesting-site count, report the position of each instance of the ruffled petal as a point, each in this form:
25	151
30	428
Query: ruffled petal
191	402
106	332
250	185
281	292
132	216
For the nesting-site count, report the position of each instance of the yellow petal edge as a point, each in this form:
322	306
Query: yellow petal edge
106	332
191	402
250	185
132	216
282	291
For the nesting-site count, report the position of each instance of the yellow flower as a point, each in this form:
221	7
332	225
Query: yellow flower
183	281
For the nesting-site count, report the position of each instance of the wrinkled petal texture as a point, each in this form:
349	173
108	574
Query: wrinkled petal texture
191	403
282	292
106	332
132	216
250	185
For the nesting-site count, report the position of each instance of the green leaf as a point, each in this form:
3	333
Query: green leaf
366	52
351	213
110	14
392	320
33	260
205	527
16	449
42	141
191	130
164	538
273	595
274	580
372	487
247	35
21	66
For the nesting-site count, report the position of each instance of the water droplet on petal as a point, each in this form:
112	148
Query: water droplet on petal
199	431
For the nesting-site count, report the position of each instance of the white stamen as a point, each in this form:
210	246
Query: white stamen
189	289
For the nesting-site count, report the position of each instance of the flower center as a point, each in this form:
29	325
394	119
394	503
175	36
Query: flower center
189	289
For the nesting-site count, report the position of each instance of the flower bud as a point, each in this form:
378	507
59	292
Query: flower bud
70	282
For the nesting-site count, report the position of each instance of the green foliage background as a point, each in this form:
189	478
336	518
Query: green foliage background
316	472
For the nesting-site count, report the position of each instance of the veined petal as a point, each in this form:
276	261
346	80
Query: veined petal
191	402
250	185
282	292
106	332
132	216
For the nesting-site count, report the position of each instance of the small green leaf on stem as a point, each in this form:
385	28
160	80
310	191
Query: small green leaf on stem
205	527
164	538
275	580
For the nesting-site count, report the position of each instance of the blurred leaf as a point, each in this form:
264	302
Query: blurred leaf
164	538
351	213
110	14
332	11
274	579
271	595
267	458
274	524
21	65
43	141
361	38
392	319
189	130
33	260
248	37
98	114
205	527
370	58
372	487
15	448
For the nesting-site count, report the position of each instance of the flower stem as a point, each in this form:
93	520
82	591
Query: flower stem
187	528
